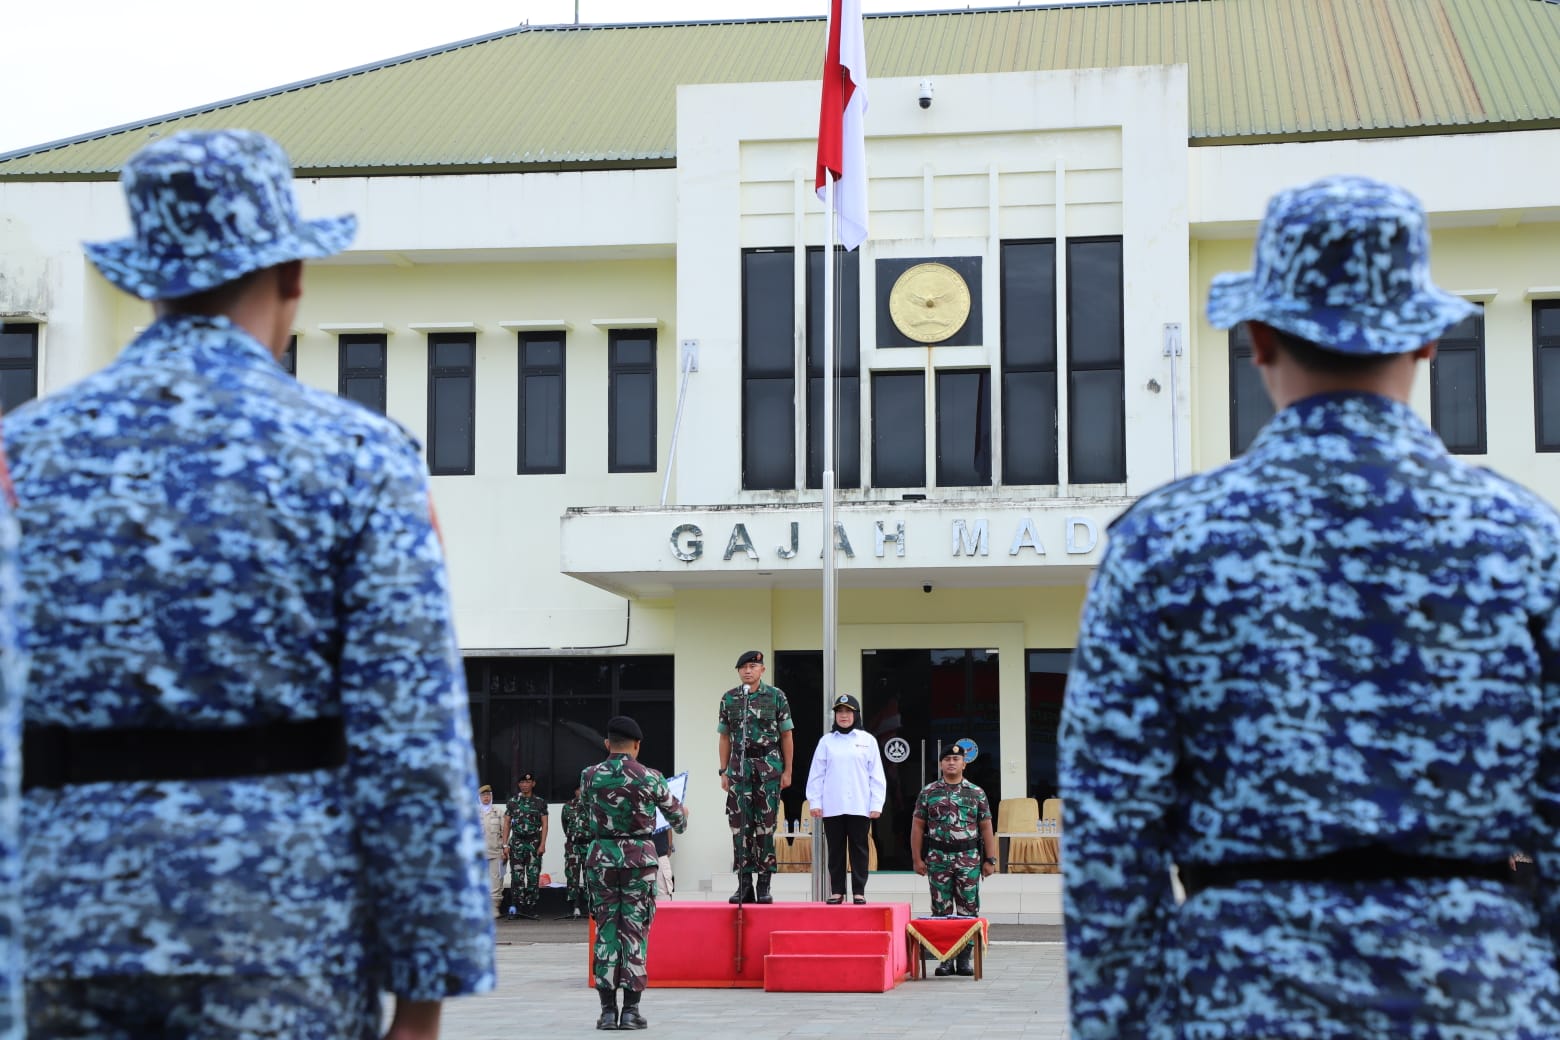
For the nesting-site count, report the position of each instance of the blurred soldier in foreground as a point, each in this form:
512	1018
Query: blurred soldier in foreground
1324	681
621	798
249	749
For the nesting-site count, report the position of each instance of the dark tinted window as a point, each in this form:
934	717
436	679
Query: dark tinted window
542	409
18	364
964	428
1457	387
847	367
1250	406
362	369
1546	361
1096	409
1029	363
768	369
452	403
631	424
899	429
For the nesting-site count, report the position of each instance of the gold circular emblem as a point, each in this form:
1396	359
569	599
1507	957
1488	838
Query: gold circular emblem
929	303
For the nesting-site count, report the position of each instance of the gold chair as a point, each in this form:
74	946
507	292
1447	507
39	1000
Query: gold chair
1028	852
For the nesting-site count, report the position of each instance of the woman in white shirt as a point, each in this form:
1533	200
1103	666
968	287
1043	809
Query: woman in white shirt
846	787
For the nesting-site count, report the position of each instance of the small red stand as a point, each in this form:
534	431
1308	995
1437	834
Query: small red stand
944	937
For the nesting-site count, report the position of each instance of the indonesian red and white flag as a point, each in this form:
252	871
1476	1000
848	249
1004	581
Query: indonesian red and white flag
842	142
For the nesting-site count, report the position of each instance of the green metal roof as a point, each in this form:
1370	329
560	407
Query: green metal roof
560	97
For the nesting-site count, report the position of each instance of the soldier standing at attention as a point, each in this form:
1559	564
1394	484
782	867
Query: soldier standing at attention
525	834
755	765
953	825
620	798
576	841
493	844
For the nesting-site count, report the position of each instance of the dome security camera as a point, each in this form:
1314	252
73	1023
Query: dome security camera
927	587
926	102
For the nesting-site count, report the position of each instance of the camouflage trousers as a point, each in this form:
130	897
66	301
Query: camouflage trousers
752	807
955	882
525	872
574	876
622	901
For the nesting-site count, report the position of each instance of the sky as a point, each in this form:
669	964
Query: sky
76	66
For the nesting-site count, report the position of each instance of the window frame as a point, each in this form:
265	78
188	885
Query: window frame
784	440
1540	345
438	373
1475	346
1010	368
34	330
615	371
847	355
525	370
381	374
1076	414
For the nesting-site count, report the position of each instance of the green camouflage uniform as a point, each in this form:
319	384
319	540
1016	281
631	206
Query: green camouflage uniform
525	856
620	798
753	804
951	845
576	839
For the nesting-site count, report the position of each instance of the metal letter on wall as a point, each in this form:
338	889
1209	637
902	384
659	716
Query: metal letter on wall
841	542
691	550
1093	533
1026	536
898	538
740	541
785	553
971	540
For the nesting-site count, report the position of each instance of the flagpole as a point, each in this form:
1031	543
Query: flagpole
830	603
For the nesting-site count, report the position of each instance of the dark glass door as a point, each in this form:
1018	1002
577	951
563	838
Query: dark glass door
928	698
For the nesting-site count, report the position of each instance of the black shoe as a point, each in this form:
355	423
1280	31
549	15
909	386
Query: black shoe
609	1010
966	965
763	895
744	892
944	969
528	915
630	1018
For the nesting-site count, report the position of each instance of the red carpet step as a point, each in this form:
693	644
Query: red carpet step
830	962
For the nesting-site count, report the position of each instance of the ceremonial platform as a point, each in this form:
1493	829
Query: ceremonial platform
801	947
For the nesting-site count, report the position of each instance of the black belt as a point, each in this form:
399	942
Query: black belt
524	835
972	845
1368	864
55	756
759	749
625	837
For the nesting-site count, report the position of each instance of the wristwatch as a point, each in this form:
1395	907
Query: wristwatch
990	859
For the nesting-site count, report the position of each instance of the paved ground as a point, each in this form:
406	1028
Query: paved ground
542	992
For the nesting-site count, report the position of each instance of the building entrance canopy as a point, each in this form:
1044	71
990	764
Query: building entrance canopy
649	552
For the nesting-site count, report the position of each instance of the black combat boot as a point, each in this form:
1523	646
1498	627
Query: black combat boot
630	1017
609	1009
944	968
966	965
744	892
763	895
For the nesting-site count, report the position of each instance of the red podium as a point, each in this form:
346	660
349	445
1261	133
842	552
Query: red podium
796	947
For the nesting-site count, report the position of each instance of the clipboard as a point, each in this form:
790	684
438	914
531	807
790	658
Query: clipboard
679	787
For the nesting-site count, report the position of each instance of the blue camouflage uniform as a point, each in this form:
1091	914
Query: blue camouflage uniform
13	676
212	544
1344	639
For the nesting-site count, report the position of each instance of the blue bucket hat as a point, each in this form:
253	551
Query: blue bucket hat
1345	264
209	206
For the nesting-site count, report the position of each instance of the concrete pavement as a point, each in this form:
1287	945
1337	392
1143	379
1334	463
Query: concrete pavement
542	991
